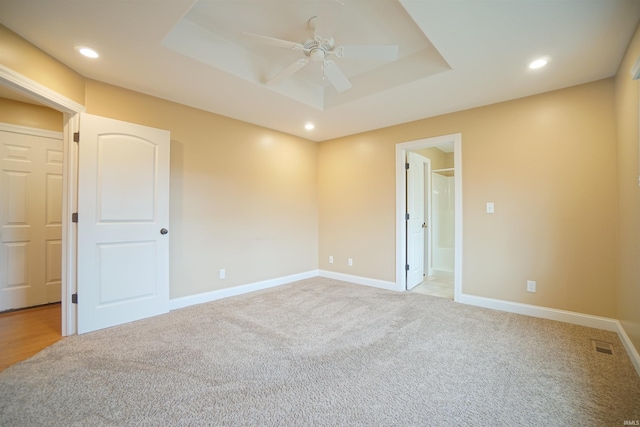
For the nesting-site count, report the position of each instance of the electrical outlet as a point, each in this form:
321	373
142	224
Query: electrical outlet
330	259
531	286
223	273
350	262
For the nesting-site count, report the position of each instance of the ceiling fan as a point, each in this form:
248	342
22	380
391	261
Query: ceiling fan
322	47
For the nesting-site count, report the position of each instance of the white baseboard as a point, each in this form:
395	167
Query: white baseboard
628	345
542	312
391	286
187	301
572	317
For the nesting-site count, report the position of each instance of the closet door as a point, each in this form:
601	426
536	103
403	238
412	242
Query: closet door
30	217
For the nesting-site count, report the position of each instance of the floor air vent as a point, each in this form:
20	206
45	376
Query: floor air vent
602	347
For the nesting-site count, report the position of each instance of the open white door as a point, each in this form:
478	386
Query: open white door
416	223
123	209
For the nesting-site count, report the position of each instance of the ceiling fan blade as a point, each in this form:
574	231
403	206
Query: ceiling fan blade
270	41
382	53
288	72
327	19
336	76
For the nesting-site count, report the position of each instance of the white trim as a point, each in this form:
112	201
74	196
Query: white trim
69	230
182	302
8	127
71	110
428	268
401	202
628	345
190	300
382	284
541	312
37	91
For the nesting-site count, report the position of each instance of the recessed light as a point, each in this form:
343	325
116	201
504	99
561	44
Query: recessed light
538	63
87	51
309	126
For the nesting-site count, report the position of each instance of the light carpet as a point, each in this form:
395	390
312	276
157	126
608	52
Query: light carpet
321	352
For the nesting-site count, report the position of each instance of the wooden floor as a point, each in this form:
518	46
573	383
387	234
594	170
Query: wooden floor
24	333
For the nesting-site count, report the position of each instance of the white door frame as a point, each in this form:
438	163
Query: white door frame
401	203
70	110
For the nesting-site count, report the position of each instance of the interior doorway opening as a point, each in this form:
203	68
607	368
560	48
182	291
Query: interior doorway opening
432	262
70	109
431	202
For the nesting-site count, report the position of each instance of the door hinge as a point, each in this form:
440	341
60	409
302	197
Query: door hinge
406	267
406	165
74	217
74	298
76	137
406	217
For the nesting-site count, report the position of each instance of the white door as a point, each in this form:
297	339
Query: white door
123	210
30	217
416	222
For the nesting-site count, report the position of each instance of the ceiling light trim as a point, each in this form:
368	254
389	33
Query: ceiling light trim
539	63
87	52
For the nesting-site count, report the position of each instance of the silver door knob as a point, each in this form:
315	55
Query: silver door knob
164	231
424	225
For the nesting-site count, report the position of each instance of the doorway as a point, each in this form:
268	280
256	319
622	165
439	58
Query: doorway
70	110
442	211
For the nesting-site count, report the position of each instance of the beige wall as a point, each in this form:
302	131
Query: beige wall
448	160
21	56
548	162
438	157
627	98
243	197
30	115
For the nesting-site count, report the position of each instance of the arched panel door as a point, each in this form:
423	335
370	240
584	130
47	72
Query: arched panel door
123	221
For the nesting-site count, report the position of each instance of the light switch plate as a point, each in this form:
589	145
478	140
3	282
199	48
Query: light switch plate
490	207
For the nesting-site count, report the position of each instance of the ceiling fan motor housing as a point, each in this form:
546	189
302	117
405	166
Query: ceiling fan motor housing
317	50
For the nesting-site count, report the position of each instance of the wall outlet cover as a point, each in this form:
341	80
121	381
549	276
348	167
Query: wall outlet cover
531	286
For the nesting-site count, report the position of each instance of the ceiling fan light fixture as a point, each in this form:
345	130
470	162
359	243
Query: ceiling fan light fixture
317	54
321	48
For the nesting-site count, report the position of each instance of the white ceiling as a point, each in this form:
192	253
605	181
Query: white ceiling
454	54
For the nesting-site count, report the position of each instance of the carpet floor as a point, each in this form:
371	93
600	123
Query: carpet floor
321	352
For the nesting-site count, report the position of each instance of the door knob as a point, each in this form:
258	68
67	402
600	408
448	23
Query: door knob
164	231
424	225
